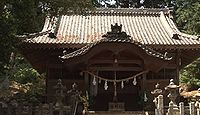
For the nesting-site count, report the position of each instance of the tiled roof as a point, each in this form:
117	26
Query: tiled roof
116	35
147	26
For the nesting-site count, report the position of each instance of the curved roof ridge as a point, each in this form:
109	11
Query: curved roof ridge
172	28
135	9
87	47
193	37
181	33
29	36
166	24
128	11
121	11
50	26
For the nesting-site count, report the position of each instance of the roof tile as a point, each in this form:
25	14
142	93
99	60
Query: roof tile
147	26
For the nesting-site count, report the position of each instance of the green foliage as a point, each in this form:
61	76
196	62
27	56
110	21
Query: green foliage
7	32
190	74
20	17
27	15
136	3
23	73
188	21
25	85
188	16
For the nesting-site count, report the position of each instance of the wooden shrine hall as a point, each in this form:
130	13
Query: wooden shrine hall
113	55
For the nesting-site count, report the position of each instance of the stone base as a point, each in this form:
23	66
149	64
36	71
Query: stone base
116	113
116	106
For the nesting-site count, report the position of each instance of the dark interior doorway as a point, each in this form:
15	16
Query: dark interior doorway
129	95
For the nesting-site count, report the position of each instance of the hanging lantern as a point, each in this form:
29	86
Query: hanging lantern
122	84
94	81
106	85
134	81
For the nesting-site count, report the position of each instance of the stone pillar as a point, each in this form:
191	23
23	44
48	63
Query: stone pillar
198	109
61	111
9	109
192	108
171	107
40	109
160	105
181	107
51	109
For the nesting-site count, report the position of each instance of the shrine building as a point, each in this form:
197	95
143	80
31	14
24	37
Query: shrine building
113	55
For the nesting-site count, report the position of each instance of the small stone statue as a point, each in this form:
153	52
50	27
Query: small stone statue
74	96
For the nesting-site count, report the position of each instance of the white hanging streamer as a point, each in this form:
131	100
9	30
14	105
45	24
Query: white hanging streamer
134	81
122	84
105	85
94	81
145	97
120	80
99	80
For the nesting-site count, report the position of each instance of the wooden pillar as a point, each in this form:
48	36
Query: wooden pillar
178	64
143	89
46	83
93	88
86	80
96	86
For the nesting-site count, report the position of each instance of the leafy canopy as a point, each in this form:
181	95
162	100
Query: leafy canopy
188	16
20	17
188	20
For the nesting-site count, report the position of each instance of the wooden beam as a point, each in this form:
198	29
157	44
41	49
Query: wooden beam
55	66
116	68
97	61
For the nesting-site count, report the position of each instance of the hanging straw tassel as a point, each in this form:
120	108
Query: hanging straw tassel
145	97
106	85
122	84
94	81
134	81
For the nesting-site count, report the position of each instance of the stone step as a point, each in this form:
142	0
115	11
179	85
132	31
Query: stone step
117	113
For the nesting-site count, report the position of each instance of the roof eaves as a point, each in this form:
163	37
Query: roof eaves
86	48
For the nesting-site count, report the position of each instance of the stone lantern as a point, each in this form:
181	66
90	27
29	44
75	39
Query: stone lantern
59	93
196	97
173	92
158	99
157	91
